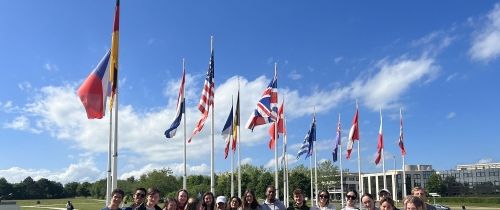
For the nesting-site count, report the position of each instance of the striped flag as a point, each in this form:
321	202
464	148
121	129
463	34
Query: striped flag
267	107
227	131
181	106
353	133
94	91
337	142
380	145
207	97
281	129
401	143
236	123
307	145
113	64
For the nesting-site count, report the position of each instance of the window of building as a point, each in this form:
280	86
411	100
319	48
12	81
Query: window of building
480	174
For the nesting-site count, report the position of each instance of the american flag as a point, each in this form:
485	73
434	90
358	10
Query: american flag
353	133
401	143
267	107
207	97
337	143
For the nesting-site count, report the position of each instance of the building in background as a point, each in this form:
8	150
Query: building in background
482	178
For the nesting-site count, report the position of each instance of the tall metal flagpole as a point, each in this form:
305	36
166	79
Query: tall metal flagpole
276	147
404	178
341	171
239	145
110	143
232	156
360	182
402	153
284	160
184	178
383	156
212	162
315	163
115	143
312	178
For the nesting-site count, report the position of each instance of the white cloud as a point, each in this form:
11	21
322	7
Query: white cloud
451	115
21	123
84	170
486	41
394	78
338	59
24	86
294	75
50	67
177	169
485	160
247	160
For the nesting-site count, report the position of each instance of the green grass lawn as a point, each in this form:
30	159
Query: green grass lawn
47	204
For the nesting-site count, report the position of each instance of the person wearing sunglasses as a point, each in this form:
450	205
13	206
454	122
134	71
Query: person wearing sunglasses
139	195
351	198
324	201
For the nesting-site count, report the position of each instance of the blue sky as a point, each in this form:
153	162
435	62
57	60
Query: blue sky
436	60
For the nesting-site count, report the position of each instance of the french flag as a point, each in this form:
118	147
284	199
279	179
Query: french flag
95	90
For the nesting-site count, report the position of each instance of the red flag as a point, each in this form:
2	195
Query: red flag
281	128
401	143
113	61
207	97
380	145
353	133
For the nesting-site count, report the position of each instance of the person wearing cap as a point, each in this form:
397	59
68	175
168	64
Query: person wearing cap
299	204
271	202
221	203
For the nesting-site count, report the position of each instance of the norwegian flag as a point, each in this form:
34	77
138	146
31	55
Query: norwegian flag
207	97
337	143
353	133
281	128
380	145
401	143
267	107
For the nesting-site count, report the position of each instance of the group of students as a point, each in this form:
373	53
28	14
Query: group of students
415	201
149	199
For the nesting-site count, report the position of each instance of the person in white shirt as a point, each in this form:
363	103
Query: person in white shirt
324	201
351	198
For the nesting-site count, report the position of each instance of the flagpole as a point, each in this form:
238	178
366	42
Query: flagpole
212	162
404	178
315	162
108	181
341	171
315	173
232	154
285	168
360	182
383	156
184	178
276	147
239	144
115	144
311	172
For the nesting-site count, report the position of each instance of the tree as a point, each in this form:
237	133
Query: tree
5	188
328	175
436	185
84	189
299	177
70	189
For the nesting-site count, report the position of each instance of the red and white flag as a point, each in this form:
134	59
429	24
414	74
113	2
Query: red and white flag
380	145
207	97
281	128
353	133
401	143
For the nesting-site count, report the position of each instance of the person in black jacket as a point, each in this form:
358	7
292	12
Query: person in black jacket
152	199
299	203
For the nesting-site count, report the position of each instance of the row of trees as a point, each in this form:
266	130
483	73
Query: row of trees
450	187
253	177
